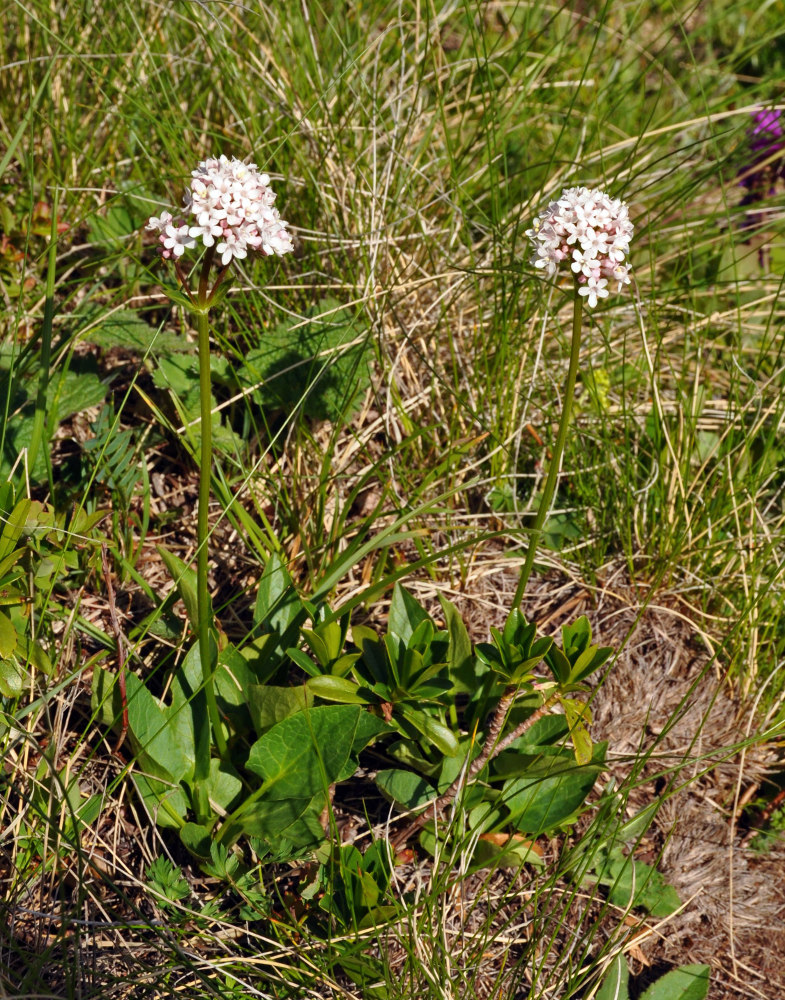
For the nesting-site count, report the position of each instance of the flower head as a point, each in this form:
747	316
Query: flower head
231	207
591	233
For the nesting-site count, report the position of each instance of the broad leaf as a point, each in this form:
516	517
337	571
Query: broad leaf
689	982
279	611
152	732
12	679
304	754
269	704
406	613
8	636
443	738
576	638
578	715
339	689
406	789
233	680
164	800
614	986
224	786
74	392
197	839
550	792
634	883
465	670
126	329
296	820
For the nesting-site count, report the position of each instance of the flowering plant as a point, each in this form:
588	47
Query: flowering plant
232	210
229	209
589	230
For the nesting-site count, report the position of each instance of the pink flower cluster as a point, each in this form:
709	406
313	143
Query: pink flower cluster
231	203
591	232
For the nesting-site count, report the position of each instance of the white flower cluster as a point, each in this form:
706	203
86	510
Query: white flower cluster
589	230
232	204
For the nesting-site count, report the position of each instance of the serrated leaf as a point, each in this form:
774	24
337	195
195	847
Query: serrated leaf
321	365
127	329
74	392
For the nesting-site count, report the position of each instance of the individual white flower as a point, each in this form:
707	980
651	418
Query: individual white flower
596	240
583	262
621	274
544	259
160	223
208	231
594	289
232	245
592	232
176	239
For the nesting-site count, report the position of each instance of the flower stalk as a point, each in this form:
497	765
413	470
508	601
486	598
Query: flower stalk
556	457
208	649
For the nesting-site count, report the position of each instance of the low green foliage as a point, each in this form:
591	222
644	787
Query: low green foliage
689	982
397	690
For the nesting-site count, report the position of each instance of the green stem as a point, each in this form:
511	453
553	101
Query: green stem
39	419
558	451
206	645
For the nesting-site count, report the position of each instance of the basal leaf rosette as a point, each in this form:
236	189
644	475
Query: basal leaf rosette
589	233
230	207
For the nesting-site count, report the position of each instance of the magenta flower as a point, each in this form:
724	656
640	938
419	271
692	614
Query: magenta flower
765	139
